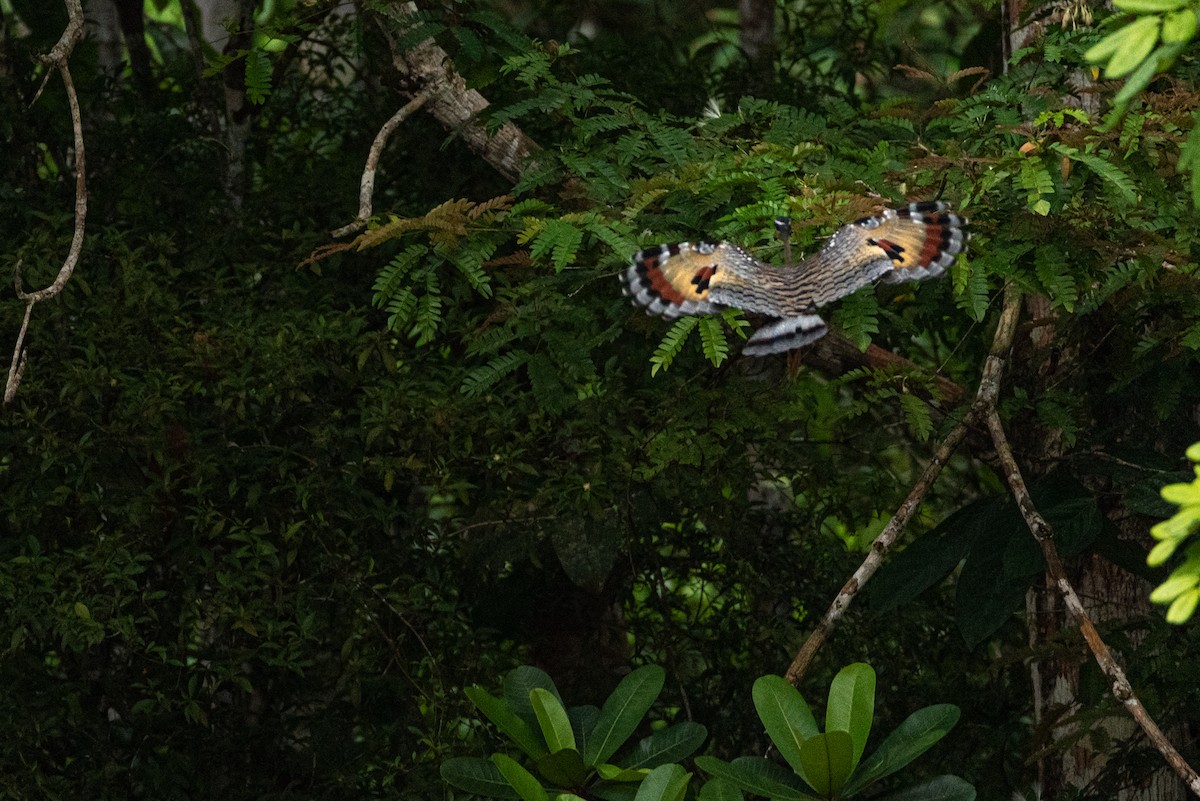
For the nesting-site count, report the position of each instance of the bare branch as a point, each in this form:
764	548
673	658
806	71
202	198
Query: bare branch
989	385
366	189
57	57
458	108
1044	534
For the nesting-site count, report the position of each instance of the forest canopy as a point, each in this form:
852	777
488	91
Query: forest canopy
328	425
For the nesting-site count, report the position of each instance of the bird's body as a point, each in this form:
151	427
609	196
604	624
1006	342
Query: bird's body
910	244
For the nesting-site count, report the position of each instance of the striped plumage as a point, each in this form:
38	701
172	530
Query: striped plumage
910	244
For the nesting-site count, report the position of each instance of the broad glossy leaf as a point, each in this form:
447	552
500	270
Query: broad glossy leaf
583	720
852	705
828	761
613	773
668	745
721	790
787	718
507	721
517	685
478	776
665	783
939	788
521	780
553	720
916	735
758	776
563	768
569	797
614	791
622	712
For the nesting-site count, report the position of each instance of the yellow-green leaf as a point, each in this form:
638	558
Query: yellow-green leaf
1179	26
1137	40
1148	6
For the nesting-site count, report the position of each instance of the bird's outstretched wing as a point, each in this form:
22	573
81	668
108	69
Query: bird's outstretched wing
916	242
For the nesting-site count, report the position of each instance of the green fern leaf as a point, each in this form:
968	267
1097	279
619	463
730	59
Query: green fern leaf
429	310
391	278
1050	263
1035	178
1103	168
672	344
258	76
917	415
481	379
858	318
713	341
558	239
970	288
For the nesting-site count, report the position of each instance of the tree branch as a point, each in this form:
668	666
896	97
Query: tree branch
1044	534
984	410
57	57
366	188
458	108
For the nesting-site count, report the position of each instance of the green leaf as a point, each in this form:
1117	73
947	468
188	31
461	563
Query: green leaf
622	712
563	768
939	788
553	720
668	745
916	412
612	773
786	717
1179	26
1137	39
916	735
665	783
508	722
583	720
1181	609
519	683
521	780
478	776
712	340
672	344
1148	6
757	776
828	761
852	705
721	790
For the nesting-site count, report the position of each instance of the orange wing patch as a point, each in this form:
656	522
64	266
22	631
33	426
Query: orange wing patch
674	280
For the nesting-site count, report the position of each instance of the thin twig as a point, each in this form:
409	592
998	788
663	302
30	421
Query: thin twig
57	57
1044	534
366	188
989	385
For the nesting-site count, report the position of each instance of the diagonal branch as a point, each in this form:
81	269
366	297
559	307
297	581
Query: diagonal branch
1044	534
984	411
57	57
989	388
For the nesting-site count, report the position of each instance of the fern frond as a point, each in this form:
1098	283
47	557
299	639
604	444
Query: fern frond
389	230
391	277
498	203
481	379
970	288
713	341
1050	264
560	240
258	76
672	344
429	310
1103	168
858	317
917	414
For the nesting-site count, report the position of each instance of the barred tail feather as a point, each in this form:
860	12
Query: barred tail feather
784	335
